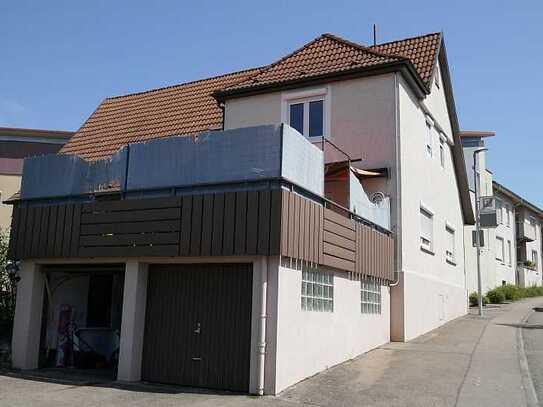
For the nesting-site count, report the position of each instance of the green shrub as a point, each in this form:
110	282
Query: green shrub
511	292
474	299
533	291
496	296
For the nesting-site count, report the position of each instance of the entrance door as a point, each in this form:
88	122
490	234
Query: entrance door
198	325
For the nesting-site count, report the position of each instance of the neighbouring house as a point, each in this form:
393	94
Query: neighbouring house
511	248
314	211
15	145
520	222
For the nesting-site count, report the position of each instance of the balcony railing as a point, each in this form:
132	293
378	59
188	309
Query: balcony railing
525	232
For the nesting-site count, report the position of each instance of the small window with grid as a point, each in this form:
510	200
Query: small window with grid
370	297
317	291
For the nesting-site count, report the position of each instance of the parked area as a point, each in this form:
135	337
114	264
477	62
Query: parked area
467	362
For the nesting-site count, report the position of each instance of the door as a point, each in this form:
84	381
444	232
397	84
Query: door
198	325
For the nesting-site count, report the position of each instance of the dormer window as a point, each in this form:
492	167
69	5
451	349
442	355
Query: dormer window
307	112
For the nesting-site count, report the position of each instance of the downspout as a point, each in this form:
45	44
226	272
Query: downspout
398	187
262	326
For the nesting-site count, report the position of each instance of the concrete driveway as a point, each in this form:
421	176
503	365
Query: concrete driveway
468	362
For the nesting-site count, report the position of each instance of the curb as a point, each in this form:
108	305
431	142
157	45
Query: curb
526	377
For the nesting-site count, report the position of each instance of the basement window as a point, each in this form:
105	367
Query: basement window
317	291
370	297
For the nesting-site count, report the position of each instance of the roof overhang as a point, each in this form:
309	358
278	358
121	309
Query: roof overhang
457	150
476	134
517	200
404	66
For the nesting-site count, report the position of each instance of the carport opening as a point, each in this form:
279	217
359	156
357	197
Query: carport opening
81	324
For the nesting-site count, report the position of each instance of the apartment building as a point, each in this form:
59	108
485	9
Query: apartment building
519	222
15	145
321	199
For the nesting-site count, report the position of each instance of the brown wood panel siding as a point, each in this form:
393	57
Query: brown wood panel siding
215	224
268	222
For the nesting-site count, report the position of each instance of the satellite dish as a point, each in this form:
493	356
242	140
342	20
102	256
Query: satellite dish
377	198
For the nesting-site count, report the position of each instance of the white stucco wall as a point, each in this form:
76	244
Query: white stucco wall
433	289
505	269
308	342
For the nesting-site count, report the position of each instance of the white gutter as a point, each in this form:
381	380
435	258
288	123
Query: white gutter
261	363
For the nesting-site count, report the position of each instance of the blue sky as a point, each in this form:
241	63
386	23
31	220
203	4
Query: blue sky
61	58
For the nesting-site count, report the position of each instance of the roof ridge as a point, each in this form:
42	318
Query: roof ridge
183	84
268	67
407	39
363	47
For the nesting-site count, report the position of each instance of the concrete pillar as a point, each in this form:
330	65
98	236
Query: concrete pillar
133	321
25	343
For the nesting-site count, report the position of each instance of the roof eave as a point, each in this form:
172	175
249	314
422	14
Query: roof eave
405	66
517	198
458	152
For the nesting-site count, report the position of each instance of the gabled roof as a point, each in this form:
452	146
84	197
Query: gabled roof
517	199
182	109
325	55
422	51
190	108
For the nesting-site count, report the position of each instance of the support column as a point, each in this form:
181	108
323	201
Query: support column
25	345
133	321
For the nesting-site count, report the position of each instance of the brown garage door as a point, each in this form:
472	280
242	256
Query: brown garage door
198	325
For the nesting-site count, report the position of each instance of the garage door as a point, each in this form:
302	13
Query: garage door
198	325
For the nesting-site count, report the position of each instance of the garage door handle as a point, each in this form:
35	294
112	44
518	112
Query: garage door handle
197	359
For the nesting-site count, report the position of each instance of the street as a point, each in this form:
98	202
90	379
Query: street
494	361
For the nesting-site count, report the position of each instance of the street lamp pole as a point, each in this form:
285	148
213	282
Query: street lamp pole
478	228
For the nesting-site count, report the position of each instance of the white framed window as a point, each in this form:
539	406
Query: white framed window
499	212
450	250
428	139
509	254
508	215
426	229
370	296
500	249
442	152
317	291
534	258
307	111
533	225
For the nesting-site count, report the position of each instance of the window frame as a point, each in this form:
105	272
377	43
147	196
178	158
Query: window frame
452	257
428	141
499	211
442	152
502	259
427	247
535	257
371	301
510	253
305	97
324	281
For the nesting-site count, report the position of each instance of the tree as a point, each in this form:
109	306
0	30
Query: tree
7	285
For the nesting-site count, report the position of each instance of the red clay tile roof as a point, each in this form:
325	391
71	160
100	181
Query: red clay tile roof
188	108
421	51
326	54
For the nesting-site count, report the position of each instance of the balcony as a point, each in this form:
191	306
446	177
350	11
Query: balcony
525	232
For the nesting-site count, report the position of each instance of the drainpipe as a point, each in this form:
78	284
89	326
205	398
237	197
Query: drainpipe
262	326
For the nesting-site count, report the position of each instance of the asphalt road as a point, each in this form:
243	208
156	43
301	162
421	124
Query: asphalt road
471	361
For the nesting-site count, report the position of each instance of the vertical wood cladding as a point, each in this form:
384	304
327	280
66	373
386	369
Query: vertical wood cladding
267	222
318	235
218	224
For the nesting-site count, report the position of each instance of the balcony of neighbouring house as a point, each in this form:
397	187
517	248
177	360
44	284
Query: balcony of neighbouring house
525	231
528	275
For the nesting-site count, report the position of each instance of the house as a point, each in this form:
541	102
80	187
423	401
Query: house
314	211
15	145
519	226
511	249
